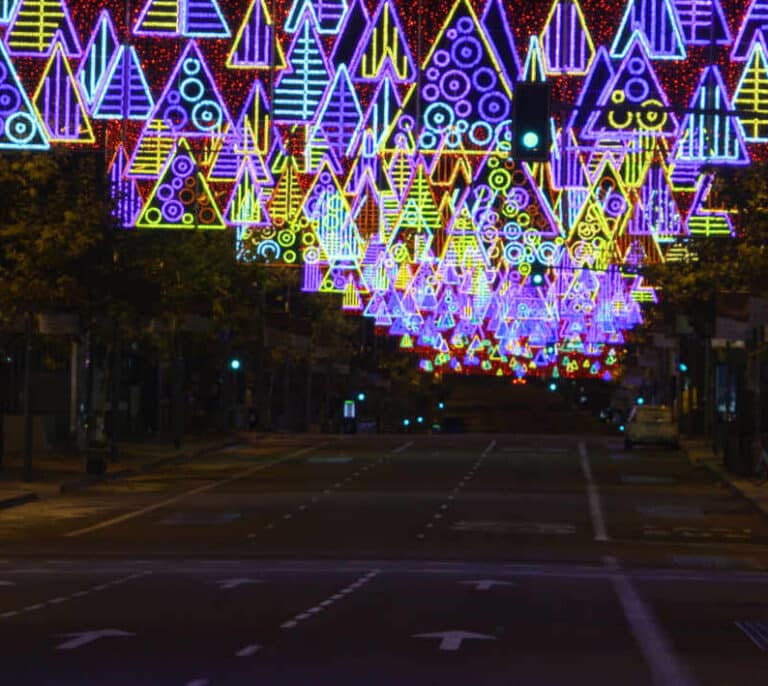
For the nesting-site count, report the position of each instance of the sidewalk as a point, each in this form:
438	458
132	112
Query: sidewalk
53	474
699	451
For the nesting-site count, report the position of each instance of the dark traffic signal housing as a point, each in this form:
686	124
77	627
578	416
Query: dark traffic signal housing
531	138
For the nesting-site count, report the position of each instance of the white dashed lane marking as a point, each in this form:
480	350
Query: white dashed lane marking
73	596
327	602
468	476
328	491
247	651
186	494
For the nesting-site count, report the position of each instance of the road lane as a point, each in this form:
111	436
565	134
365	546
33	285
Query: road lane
510	576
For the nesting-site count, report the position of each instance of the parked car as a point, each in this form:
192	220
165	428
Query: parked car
650	424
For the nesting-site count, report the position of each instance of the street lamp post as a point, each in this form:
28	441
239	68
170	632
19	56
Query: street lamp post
27	393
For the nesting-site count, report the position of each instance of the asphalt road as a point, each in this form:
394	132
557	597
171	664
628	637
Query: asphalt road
474	560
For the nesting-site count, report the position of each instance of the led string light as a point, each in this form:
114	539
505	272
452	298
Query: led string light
368	142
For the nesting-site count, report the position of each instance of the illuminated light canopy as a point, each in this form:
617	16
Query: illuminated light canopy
124	190
703	22
255	122
6	10
338	120
36	25
190	104
705	219
634	102
326	14
19	123
712	133
565	41
300	87
753	24
123	92
99	52
58	100
371	146
246	202
182	18
253	46
181	198
383	47
751	95
496	25
658	23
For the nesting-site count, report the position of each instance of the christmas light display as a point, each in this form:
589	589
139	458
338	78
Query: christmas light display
368	142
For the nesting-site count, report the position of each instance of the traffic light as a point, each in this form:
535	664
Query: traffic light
530	121
538	273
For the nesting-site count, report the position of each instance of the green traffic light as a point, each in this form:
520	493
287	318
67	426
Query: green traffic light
530	140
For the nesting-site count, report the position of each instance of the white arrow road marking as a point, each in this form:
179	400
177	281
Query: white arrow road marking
757	632
82	638
226	584
486	584
248	650
451	640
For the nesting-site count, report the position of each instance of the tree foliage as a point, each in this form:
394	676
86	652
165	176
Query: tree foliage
720	264
51	221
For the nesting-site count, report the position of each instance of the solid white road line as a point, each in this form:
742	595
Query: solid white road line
666	668
200	489
490	447
595	506
400	448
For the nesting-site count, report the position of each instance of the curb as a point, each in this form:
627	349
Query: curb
16	500
88	481
722	476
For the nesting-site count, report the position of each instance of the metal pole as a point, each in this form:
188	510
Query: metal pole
114	393
178	388
27	392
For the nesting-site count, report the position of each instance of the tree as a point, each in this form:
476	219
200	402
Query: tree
717	265
51	218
